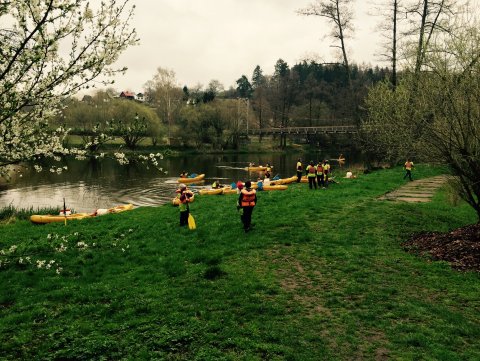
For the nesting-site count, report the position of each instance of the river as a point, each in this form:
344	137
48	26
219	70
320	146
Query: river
92	184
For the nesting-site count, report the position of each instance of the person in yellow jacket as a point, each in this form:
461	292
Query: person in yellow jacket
299	170
408	166
326	172
311	171
247	201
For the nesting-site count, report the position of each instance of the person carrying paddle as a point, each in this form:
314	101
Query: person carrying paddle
408	166
299	170
186	196
247	201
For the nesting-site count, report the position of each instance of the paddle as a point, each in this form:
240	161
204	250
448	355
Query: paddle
191	222
65	211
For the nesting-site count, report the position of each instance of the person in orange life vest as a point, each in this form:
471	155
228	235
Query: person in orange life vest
320	178
408	169
299	170
326	172
247	200
311	172
186	196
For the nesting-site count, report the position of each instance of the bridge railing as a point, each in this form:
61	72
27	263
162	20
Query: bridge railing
307	130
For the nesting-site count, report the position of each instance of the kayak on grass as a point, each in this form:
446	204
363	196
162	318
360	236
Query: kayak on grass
52	218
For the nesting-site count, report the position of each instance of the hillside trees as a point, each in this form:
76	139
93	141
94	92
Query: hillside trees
259	84
50	50
133	122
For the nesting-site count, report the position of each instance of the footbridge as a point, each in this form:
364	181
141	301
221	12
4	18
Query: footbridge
324	129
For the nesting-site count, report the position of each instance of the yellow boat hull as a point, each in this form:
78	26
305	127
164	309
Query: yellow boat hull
51	218
191	180
210	191
284	180
229	191
258	168
279	187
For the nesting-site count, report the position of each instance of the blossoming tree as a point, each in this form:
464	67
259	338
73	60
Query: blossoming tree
49	50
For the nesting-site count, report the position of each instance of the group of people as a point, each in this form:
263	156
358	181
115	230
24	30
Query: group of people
246	202
316	173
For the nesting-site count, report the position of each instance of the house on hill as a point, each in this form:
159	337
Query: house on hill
140	97
127	95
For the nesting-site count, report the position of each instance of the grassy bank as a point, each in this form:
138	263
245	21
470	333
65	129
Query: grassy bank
322	276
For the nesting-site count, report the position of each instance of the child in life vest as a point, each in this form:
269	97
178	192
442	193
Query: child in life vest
186	196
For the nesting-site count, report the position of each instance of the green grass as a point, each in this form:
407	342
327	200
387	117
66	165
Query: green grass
322	276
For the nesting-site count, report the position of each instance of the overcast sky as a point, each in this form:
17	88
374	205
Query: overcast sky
203	40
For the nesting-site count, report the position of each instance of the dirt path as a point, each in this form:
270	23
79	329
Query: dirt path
417	191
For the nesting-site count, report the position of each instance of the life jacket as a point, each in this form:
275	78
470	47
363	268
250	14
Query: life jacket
311	171
326	168
248	198
319	169
299	166
408	165
184	200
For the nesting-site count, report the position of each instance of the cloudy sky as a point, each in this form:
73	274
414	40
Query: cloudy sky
203	40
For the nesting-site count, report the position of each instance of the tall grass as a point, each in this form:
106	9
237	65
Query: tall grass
322	276
10	214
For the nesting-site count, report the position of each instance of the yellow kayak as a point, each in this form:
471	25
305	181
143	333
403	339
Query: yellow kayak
123	208
258	168
229	190
51	218
279	187
191	180
211	191
284	180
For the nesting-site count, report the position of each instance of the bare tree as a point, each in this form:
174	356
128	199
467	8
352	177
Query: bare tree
340	15
165	94
426	20
389	28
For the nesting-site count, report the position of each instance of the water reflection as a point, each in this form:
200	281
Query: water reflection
92	184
